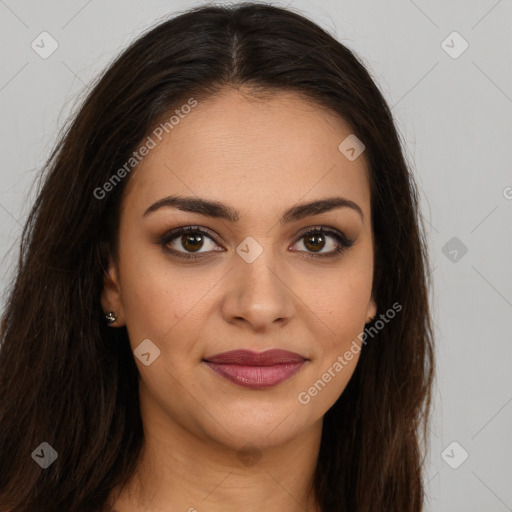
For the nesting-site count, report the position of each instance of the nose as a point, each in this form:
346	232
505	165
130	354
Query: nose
258	295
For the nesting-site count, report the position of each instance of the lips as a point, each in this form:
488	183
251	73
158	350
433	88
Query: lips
248	358
256	370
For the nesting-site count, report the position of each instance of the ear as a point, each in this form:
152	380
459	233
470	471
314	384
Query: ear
371	310
111	294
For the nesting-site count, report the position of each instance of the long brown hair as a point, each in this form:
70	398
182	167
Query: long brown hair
69	380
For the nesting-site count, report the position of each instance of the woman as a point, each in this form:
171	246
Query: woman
221	300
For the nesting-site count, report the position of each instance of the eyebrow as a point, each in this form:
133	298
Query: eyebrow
223	211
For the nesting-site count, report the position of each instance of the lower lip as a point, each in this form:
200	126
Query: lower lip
256	377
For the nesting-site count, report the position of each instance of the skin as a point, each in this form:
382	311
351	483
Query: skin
261	156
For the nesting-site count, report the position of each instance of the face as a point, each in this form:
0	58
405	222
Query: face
252	279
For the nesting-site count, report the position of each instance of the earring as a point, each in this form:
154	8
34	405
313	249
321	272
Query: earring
110	317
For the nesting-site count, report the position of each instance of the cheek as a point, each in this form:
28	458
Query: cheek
342	308
157	301
340	314
344	327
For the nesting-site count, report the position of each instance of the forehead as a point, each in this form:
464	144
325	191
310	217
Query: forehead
250	150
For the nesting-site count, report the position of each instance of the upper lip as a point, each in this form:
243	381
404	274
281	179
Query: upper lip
249	358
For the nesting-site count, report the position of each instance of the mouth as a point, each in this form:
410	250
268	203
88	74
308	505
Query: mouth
256	370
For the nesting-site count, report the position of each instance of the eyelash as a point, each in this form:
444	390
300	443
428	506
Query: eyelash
343	241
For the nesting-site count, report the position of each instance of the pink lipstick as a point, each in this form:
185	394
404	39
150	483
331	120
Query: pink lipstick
256	370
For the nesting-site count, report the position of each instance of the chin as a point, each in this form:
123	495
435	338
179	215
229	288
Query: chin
261	426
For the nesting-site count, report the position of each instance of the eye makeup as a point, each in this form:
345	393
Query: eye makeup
198	234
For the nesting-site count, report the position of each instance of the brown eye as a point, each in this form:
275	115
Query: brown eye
192	242
185	241
315	240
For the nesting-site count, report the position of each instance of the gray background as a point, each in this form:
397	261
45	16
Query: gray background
455	118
